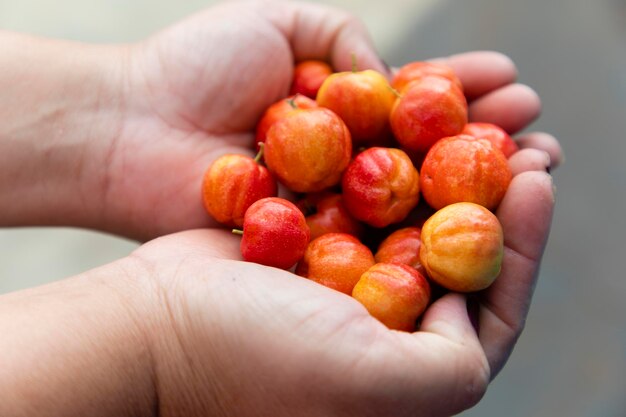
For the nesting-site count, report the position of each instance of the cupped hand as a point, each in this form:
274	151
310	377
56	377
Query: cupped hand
196	90
241	339
236	338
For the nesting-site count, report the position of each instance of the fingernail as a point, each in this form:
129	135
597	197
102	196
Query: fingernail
473	308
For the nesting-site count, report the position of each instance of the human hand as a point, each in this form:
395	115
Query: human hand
241	339
196	90
121	144
183	327
234	337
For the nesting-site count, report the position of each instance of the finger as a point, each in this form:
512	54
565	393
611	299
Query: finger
317	31
448	317
512	107
529	160
525	214
439	370
481	72
545	142
460	360
200	243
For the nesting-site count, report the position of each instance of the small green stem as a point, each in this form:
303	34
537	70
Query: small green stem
259	154
395	92
354	64
237	232
292	102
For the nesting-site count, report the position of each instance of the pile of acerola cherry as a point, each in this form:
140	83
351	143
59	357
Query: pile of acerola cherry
356	152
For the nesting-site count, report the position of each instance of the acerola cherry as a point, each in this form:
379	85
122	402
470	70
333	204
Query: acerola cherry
380	186
494	134
395	294
428	109
277	111
363	100
463	168
231	184
462	247
336	260
329	215
308	149
401	247
308	76
414	71
275	233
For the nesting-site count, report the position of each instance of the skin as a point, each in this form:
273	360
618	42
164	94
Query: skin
182	326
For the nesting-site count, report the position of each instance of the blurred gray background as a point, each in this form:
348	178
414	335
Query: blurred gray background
571	359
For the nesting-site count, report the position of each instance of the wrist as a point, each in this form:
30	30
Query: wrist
79	346
60	112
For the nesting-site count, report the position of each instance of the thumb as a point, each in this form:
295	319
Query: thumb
455	353
449	317
199	243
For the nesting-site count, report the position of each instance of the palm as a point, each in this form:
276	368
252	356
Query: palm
198	88
269	337
203	100
239	335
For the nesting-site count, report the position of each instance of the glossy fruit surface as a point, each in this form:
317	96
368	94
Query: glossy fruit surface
462	247
231	184
275	233
464	168
277	111
328	214
380	186
494	134
414	71
401	247
308	149
336	260
308	76
363	100
395	294
429	109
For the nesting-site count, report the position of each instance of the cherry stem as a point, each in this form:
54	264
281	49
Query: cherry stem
292	102
259	154
237	232
395	92
354	65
